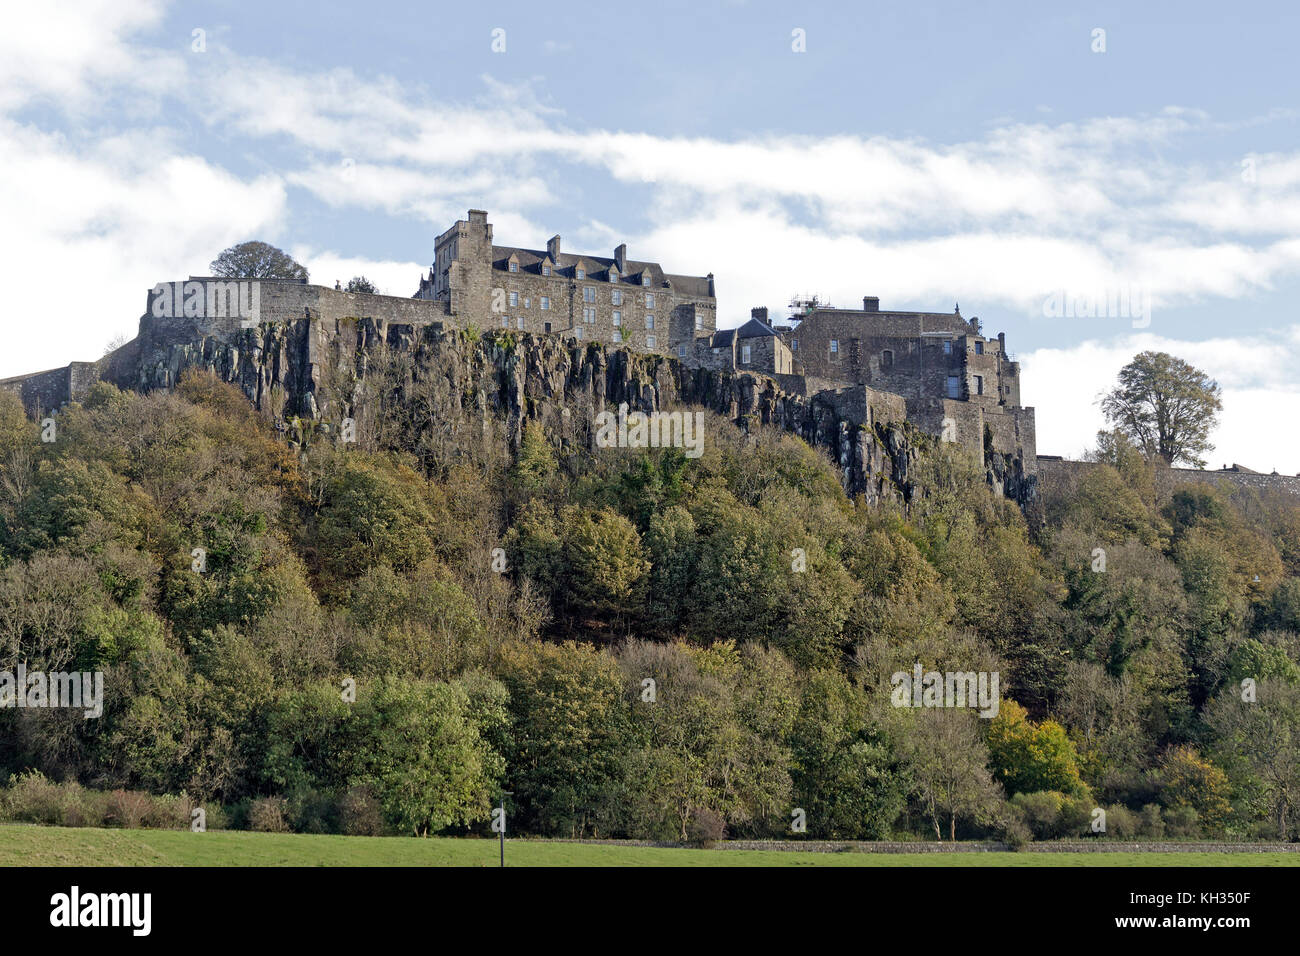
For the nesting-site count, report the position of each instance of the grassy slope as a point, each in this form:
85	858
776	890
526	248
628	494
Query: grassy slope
56	846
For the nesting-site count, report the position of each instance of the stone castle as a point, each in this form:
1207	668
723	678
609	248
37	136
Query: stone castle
866	369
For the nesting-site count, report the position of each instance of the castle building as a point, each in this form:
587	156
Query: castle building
956	382
616	300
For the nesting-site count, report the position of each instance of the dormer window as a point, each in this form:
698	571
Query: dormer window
613	276
579	273
546	270
645	278
513	266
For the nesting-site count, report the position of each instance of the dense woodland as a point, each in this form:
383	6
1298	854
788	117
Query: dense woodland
768	609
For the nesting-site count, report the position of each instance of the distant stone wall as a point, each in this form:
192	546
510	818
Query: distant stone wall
203	306
1289	484
1059	475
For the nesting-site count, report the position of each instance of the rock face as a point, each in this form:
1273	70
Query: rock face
325	370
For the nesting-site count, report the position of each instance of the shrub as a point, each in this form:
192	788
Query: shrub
359	813
1121	822
127	809
215	817
33	799
705	827
313	812
168	812
1041	812
1152	823
83	808
1182	823
267	815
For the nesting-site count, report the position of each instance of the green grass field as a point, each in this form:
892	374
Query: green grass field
55	846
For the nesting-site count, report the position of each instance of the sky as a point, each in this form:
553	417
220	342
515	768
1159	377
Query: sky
1094	180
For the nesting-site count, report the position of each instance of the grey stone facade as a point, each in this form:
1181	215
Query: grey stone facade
615	300
957	383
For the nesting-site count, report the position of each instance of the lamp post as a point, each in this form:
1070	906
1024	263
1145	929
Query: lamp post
499	824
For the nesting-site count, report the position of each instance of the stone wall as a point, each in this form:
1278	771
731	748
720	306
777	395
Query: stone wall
1061	476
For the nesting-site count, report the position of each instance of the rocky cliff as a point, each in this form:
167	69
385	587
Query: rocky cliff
328	371
313	373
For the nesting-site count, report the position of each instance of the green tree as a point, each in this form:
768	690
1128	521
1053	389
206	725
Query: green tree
1028	757
1165	406
256	260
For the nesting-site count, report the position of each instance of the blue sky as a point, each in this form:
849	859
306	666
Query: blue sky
925	155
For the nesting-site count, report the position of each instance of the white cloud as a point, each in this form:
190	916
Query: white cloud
89	231
69	52
390	278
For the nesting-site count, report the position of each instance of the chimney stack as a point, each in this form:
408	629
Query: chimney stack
759	313
553	248
871	303
620	258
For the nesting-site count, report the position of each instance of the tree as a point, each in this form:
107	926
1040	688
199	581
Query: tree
257	260
1028	757
1257	743
361	284
1188	780
1165	406
948	766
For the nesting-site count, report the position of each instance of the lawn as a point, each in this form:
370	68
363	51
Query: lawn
56	846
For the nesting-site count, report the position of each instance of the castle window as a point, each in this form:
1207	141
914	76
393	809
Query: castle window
699	324
649	321
979	348
618	335
519	323
649	300
649	341
745	354
835	348
887	359
618	318
514	300
645	278
794	345
548	328
613	276
514	267
546	270
954	386
577	332
616	297
681	351
505	321
579	274
589	315
588	293
979	384
546	303
947	346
